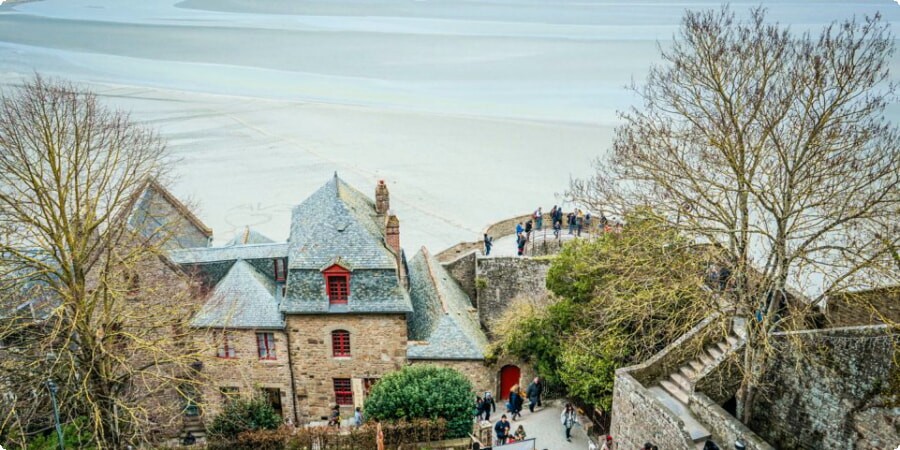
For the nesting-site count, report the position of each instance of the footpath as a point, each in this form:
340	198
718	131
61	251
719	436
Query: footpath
544	426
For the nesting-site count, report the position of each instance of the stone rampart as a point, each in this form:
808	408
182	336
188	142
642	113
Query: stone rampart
462	270
500	280
724	427
842	394
638	417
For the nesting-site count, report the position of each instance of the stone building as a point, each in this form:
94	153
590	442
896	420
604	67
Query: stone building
315	321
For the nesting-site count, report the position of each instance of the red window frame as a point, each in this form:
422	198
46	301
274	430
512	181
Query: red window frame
280	271
265	343
337	285
340	343
343	392
226	351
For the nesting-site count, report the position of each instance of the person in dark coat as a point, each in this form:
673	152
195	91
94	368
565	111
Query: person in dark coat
528	228
534	391
515	402
501	429
488	243
571	222
488	405
522	240
479	408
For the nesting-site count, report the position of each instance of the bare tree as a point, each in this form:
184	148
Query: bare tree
89	300
774	146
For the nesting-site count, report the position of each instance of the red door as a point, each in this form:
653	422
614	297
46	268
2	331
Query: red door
509	377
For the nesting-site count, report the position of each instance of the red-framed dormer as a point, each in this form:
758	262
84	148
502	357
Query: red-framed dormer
337	283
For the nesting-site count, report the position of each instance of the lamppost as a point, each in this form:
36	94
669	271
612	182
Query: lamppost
53	388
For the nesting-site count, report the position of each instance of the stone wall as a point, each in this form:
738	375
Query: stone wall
871	307
377	346
481	376
505	279
462	270
725	428
639	417
246	372
838	397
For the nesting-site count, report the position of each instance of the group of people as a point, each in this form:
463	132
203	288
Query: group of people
502	429
576	221
334	419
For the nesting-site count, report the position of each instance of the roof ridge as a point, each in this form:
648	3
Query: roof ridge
180	206
434	281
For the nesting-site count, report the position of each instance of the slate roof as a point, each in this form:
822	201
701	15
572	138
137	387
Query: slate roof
337	220
371	291
244	298
443	320
202	255
248	236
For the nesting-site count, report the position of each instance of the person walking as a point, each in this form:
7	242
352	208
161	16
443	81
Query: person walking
501	430
528	228
488	405
571	222
358	417
479	409
520	244
488	243
539	219
556	228
535	389
515	402
569	418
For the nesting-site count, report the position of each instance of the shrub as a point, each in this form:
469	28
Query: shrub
244	415
76	434
424	392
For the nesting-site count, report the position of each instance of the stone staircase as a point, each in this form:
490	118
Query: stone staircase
674	391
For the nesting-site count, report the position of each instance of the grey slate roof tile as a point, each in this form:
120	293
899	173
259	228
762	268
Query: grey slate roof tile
244	298
337	220
248	236
204	255
442	320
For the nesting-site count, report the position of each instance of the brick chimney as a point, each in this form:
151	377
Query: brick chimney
392	232
382	198
392	240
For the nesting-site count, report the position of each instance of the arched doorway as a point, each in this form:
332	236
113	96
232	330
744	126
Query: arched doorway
509	377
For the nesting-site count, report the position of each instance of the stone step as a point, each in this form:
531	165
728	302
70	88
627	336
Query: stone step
687	371
705	360
683	382
723	345
675	391
697	430
714	352
732	340
697	365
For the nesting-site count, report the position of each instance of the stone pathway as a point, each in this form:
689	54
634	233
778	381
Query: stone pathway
506	245
545	427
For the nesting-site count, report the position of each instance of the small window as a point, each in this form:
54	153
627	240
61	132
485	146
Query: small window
343	395
266	344
229	394
340	343
337	289
226	349
280	272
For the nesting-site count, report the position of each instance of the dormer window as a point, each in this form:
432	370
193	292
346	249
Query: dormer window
280	270
337	284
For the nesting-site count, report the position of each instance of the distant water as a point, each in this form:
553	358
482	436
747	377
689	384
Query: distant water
472	110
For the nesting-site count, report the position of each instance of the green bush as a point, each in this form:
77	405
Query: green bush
244	415
76	434
424	392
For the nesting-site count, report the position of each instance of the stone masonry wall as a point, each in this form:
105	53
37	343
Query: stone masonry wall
639	417
875	306
839	397
506	279
246	372
377	346
463	271
481	376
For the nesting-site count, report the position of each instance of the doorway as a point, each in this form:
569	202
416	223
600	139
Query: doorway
509	377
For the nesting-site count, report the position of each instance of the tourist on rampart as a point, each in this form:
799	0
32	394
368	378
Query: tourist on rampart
571	222
519	229
535	389
488	405
528	228
587	222
569	418
501	429
521	241
514	406
557	225
488	243
579	222
539	219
